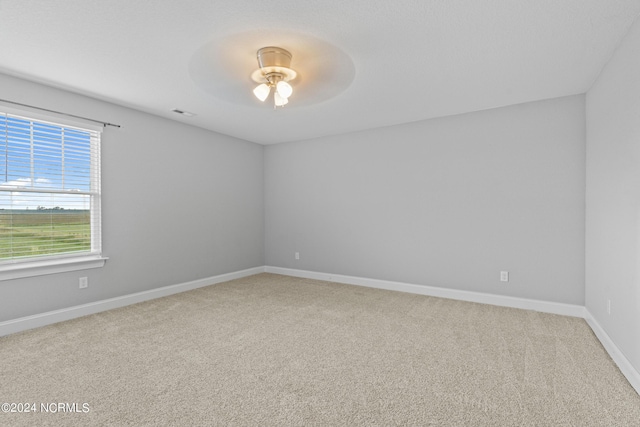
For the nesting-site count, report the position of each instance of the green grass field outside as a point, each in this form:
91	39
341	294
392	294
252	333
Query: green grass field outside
45	232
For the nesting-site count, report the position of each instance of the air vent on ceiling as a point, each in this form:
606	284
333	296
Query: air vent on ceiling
182	112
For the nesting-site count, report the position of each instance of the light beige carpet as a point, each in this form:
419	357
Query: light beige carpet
271	350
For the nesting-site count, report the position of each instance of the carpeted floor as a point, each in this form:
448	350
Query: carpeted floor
271	350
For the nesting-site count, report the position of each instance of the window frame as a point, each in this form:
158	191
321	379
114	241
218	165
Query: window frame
64	262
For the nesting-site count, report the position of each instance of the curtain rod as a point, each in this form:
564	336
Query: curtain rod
58	112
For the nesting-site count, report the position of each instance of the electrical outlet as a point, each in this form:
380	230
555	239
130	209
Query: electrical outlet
297	255
504	276
83	282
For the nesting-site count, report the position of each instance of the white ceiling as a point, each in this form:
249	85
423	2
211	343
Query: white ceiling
395	61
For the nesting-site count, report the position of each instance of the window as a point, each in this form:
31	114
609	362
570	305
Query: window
49	194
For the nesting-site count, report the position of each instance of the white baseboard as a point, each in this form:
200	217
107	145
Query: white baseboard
627	369
500	300
48	318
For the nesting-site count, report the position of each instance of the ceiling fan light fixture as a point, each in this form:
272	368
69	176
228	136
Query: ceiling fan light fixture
274	72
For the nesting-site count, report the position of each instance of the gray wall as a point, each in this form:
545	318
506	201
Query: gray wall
179	204
613	198
447	202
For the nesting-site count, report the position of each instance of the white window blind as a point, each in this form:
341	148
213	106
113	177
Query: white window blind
49	190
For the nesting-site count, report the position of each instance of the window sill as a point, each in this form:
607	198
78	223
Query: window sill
41	268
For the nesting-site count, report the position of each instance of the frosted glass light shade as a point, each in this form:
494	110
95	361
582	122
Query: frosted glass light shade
284	89
262	91
279	101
